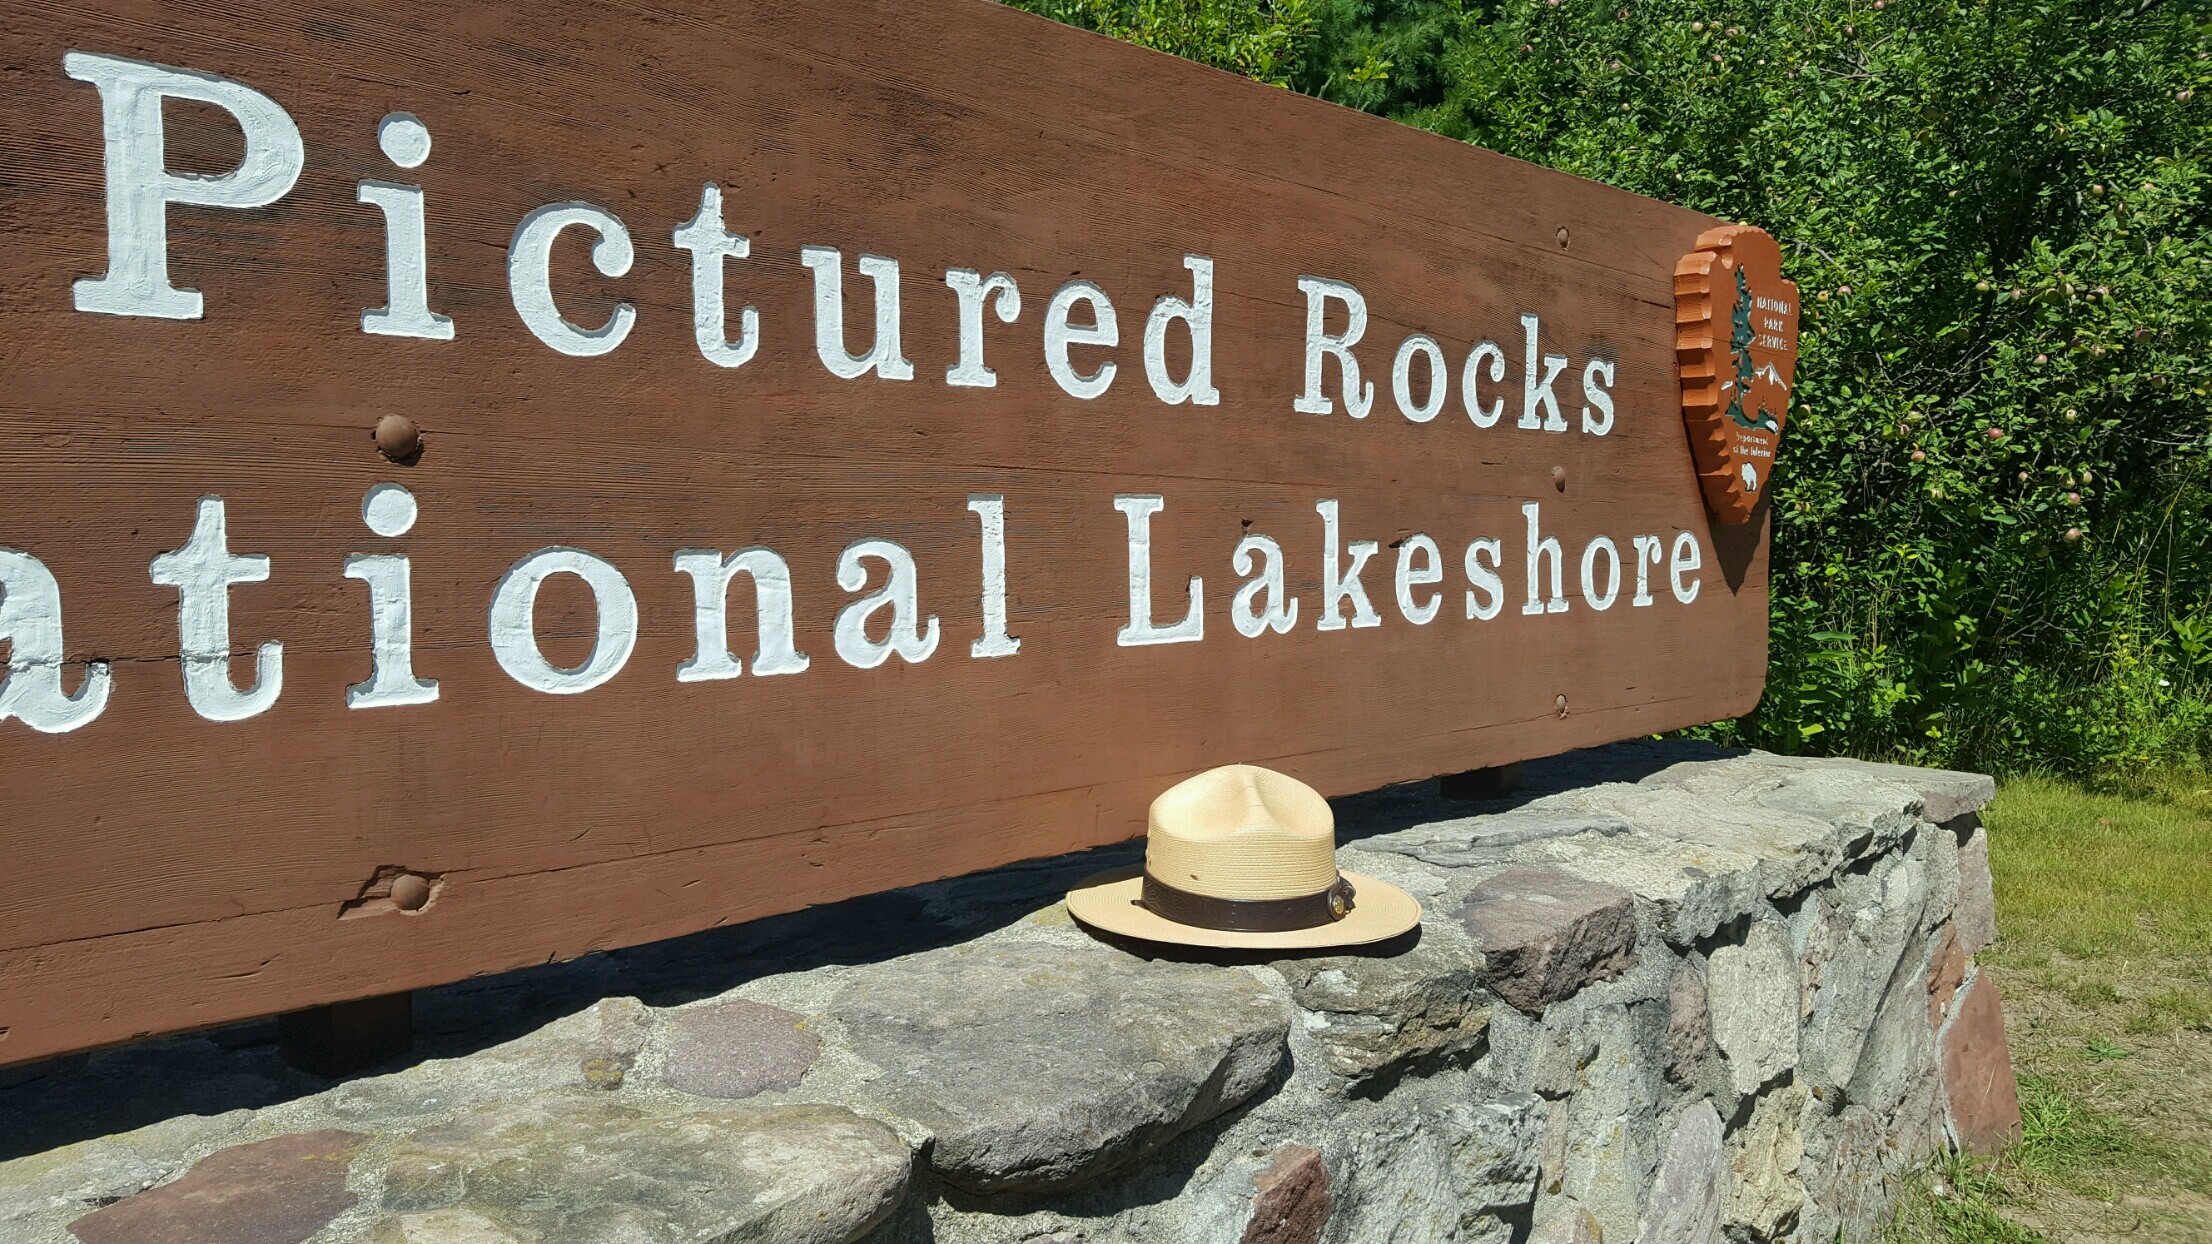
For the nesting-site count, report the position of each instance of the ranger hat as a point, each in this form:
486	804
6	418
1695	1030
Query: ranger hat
1242	857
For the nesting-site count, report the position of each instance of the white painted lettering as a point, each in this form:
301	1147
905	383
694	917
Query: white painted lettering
30	626
1647	555
1320	345
711	575
1538	393
1339	585
514	632
907	636
973	291
1410	576
1485	579
1140	631
710	244
1591	596
1483	416
140	186
883	357
990	511
406	312
1197	388
1280	612
530	281
1401	378
1685	558
1104	330
388	510
1597	409
202	572
1538	549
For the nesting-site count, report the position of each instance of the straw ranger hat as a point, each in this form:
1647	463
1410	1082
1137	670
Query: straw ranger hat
1242	857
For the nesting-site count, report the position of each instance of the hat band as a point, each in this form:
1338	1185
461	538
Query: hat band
1247	915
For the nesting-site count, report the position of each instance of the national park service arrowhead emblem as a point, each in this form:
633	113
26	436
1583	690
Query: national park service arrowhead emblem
1735	341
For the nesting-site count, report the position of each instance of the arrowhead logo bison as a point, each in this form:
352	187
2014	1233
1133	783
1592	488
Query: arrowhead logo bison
1735	386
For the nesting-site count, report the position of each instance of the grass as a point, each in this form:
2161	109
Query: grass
2101	877
2104	901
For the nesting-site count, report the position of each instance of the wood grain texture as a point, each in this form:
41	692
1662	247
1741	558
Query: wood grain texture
168	872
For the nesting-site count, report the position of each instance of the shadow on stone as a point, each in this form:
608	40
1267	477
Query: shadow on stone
236	1066
1168	952
1407	804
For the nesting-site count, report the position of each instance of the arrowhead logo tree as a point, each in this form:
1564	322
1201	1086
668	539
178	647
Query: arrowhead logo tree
1735	394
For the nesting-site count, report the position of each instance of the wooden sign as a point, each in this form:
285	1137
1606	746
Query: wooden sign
487	483
1736	337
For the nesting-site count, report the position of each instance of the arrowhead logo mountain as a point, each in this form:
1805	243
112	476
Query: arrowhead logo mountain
1735	386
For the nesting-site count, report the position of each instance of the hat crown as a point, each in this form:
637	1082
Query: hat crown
1242	832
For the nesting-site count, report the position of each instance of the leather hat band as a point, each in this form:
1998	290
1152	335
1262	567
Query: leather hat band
1247	915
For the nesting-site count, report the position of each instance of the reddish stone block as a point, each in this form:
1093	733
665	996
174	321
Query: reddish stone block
1946	972
1545	934
1292	1204
1982	1100
736	1048
1689	1025
278	1191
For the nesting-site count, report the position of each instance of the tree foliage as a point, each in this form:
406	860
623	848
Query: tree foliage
1992	499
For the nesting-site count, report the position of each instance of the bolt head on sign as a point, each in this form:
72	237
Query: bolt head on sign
1736	347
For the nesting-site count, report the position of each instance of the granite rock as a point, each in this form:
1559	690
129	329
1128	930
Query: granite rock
591	1168
1478	841
1847	1189
441	1226
1945	794
1853	945
1571	1225
1937	849
1694	888
1867	815
1382	1017
42	1192
1765	1194
1752	990
595	1047
1615	1126
1115	1057
1977	903
1793	850
1947	965
1899	1076
1544	1055
1686	1193
1429	1169
1837	789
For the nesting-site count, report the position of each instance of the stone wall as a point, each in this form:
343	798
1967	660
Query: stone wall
1663	994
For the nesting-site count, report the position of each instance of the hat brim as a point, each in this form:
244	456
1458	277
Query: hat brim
1108	902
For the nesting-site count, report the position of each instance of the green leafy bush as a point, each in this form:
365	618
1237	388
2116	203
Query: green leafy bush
1991	506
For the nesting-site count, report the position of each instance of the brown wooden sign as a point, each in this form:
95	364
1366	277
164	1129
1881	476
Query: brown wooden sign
485	483
1736	339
